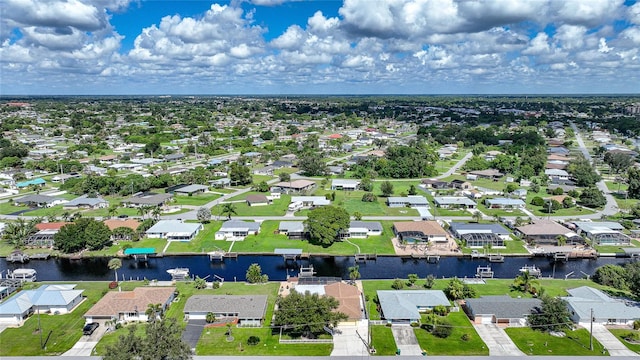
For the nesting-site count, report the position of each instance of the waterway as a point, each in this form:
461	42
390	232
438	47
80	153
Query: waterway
387	267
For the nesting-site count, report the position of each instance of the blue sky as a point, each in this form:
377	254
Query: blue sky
319	47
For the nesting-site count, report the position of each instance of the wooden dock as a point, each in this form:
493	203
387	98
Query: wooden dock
365	257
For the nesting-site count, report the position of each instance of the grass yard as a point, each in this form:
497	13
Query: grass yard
615	248
620	334
499	212
155	243
266	242
214	342
65	329
352	202
277	208
7	208
203	242
260	178
195	200
511	247
454	344
382	340
576	343
105	212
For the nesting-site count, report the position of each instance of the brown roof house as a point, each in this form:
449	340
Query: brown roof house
419	231
349	297
130	305
257	200
547	232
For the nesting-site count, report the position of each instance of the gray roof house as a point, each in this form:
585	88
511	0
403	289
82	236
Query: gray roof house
404	306
293	229
411	201
191	189
606	310
501	309
362	229
504	203
148	200
175	230
233	230
249	310
446	202
37	200
85	201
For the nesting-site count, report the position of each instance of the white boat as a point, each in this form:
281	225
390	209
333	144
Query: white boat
178	273
23	274
532	270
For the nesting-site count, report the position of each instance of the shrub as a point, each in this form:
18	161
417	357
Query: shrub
465	337
537	201
636	325
253	340
397	284
113	285
369	197
441	310
414	324
216	285
443	329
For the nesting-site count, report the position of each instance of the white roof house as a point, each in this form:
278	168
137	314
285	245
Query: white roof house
606	310
454	201
87	202
411	200
53	299
233	230
363	229
175	230
344	184
311	200
505	203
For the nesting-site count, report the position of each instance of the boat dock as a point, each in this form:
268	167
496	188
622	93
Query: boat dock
484	272
365	257
496	258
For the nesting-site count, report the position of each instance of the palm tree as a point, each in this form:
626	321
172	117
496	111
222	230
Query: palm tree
154	311
112	211
142	211
562	240
354	273
16	233
210	318
115	264
477	216
228	209
525	282
156	212
66	216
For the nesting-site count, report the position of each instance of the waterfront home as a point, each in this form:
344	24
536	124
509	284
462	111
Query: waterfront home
45	233
349	298
454	202
345	184
130	305
37	200
244	310
504	203
362	230
547	232
174	230
419	231
293	187
479	235
234	230
86	202
294	230
132	224
606	310
405	306
502	310
602	232
47	299
407	201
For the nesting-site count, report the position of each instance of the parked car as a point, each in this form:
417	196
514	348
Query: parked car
90	328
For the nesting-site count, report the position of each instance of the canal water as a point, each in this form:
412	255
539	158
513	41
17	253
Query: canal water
387	267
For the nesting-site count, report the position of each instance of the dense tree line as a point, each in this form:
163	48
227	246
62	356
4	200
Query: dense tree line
625	277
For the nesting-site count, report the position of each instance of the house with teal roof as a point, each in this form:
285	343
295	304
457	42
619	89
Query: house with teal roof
36	181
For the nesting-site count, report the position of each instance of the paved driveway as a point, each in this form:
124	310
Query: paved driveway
610	342
497	340
346	341
191	333
85	345
406	340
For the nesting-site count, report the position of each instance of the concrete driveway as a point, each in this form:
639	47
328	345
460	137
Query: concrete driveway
85	345
346	341
497	340
610	342
406	340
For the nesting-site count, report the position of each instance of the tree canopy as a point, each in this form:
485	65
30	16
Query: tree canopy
324	223
592	197
551	316
85	233
583	173
161	341
306	314
255	276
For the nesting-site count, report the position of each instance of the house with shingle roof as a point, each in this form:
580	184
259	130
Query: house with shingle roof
405	306
501	309
257	200
419	231
37	200
87	202
130	305
546	232
349	297
248	310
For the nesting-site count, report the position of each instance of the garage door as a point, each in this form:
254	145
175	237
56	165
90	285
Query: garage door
486	319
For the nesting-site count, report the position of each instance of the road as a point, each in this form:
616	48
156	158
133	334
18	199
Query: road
611	207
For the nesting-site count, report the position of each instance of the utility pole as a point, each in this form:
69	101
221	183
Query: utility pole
591	332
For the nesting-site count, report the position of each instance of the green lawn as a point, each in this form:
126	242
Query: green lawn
499	212
620	334
266	242
65	329
511	247
7	208
352	201
454	344
382	340
105	212
576	343
155	243
195	200
615	248
203	242
277	208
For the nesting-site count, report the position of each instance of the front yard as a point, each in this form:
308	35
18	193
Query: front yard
463	341
575	343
